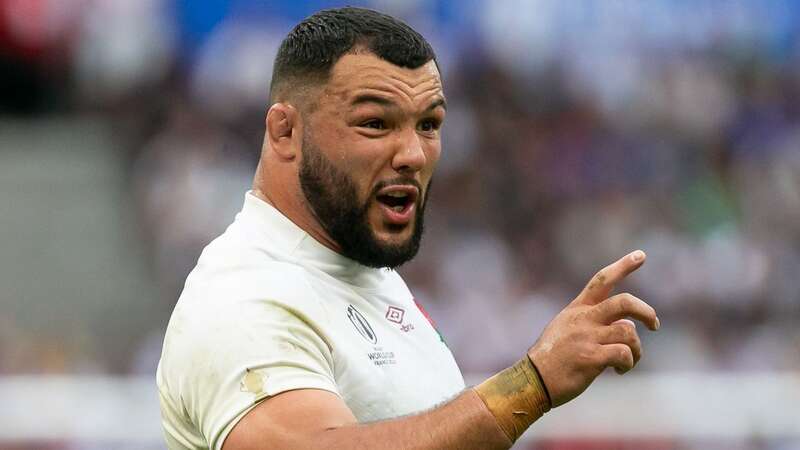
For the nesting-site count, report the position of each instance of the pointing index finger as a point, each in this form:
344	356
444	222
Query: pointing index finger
601	285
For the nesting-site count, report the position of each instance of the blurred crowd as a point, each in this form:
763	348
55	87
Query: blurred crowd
575	133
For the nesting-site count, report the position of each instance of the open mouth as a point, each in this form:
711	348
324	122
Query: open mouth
398	202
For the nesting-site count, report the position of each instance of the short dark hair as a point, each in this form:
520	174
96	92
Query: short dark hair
310	50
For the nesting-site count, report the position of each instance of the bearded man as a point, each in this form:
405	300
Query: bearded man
294	331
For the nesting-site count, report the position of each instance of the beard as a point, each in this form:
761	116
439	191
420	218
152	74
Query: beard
333	197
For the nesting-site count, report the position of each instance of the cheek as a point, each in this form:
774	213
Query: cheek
348	154
436	152
433	152
363	168
368	161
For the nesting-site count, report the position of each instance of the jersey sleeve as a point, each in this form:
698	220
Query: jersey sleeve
237	356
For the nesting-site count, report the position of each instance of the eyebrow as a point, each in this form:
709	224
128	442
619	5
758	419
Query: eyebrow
436	103
371	98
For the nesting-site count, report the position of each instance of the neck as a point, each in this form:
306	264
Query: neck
293	206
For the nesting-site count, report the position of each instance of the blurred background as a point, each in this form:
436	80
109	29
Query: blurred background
576	132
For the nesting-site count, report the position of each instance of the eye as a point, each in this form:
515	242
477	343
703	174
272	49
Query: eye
429	125
375	124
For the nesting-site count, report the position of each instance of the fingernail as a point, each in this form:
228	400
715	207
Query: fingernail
638	255
658	323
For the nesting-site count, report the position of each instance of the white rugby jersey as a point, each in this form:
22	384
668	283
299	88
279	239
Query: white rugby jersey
269	309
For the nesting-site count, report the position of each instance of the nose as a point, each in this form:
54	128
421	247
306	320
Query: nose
410	156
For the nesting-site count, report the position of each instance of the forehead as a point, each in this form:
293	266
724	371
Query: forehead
357	73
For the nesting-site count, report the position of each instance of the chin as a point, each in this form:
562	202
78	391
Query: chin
394	235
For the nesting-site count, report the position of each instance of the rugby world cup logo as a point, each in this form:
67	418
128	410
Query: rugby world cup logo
361	324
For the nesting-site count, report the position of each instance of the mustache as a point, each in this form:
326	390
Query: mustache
399	181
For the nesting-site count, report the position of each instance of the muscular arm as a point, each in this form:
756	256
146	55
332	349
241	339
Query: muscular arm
589	335
313	419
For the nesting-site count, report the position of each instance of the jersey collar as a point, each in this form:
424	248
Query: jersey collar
295	244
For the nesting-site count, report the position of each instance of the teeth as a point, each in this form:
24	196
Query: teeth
396	194
397	208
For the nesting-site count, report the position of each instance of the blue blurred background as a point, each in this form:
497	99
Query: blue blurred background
576	131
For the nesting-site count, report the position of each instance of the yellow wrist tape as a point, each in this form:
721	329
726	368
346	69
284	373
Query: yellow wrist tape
516	397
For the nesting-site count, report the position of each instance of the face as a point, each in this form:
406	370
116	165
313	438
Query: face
369	151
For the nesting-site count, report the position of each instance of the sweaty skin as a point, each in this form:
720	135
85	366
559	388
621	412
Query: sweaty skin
375	121
385	108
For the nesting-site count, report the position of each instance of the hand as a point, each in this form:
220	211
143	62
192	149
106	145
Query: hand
592	333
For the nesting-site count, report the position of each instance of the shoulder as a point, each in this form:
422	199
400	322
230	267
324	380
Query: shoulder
229	296
236	292
235	267
236	313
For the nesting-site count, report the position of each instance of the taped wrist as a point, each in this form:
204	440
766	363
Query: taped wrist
516	397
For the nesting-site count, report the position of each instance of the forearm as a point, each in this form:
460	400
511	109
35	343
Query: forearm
462	423
490	416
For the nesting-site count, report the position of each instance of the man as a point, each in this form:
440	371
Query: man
293	331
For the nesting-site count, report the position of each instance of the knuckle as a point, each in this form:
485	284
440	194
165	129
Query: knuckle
627	325
611	334
578	314
574	320
628	333
587	357
623	305
600	277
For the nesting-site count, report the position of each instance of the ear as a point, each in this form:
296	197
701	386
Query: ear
284	130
